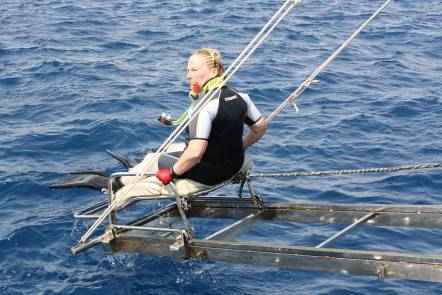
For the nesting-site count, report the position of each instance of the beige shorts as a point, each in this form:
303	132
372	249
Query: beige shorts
136	186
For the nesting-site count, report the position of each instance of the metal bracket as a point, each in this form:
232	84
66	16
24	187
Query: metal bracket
182	241
108	235
184	203
258	201
241	188
182	206
381	272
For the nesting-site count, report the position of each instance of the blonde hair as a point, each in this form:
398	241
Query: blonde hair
213	57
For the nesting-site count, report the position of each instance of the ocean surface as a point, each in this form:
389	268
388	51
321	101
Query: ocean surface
79	77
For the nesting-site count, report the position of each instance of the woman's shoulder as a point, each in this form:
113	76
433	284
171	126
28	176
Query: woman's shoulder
229	91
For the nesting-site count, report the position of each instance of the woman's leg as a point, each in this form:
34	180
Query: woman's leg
151	162
152	187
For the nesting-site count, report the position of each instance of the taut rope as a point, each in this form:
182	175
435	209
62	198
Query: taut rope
423	166
307	82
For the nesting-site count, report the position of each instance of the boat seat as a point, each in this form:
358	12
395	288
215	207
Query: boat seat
239	177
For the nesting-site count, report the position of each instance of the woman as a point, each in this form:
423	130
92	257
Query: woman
215	149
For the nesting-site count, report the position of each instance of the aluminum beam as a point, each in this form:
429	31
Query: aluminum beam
420	216
380	264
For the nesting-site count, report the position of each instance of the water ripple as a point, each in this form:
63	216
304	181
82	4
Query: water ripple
79	77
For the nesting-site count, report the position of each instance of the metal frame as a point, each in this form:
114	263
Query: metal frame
148	236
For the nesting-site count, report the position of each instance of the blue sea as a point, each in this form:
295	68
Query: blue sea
79	77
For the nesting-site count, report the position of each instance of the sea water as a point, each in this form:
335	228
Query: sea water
79	77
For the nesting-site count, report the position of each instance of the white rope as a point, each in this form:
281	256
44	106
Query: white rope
304	85
259	35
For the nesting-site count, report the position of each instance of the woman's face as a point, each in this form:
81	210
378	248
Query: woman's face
198	70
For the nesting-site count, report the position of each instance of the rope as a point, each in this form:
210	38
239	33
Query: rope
424	166
307	82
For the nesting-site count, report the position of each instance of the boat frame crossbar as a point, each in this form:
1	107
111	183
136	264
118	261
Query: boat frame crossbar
149	235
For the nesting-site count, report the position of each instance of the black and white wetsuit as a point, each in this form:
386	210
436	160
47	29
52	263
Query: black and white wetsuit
221	123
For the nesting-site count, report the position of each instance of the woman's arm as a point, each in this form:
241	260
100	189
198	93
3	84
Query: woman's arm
256	131
191	156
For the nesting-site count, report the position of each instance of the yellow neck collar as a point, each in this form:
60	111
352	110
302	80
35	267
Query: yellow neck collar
209	86
212	84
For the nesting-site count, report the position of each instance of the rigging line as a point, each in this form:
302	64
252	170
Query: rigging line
258	36
251	47
304	85
423	166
